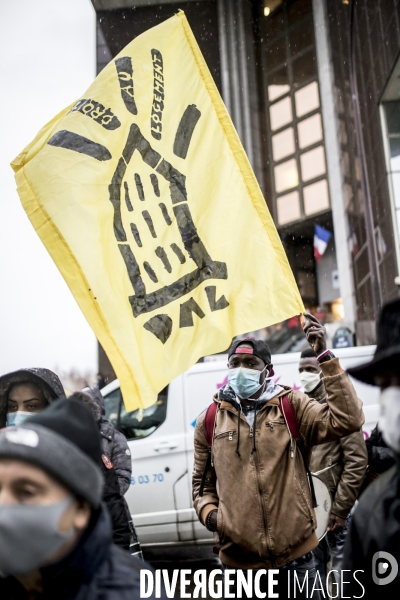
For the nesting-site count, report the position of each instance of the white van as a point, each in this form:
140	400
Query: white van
161	442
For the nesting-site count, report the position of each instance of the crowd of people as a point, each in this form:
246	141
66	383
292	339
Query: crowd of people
65	528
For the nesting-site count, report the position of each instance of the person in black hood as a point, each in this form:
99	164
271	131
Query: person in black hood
55	534
118	468
112	496
113	442
26	392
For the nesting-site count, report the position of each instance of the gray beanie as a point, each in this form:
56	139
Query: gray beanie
64	441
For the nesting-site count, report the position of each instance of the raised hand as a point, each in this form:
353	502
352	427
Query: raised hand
314	332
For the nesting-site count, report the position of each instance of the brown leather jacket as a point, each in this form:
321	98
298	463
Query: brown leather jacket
350	456
265	515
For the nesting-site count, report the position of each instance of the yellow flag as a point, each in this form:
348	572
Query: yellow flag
144	197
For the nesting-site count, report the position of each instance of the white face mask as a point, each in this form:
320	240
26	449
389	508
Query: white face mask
309	381
389	421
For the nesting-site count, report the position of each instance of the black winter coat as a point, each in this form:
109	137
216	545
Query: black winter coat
375	527
380	457
95	570
117	507
113	443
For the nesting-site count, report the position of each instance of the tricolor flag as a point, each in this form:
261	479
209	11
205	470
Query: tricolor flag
321	240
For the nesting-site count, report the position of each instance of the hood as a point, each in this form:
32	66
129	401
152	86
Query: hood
48	382
98	400
227	394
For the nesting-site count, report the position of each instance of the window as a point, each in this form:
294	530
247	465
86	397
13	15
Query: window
297	165
276	53
288	208
278	84
280	113
139	423
391	110
316	197
304	67
313	163
310	131
283	144
286	176
301	37
307	99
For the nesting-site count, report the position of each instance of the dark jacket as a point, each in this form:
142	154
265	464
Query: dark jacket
375	527
116	505
113	443
95	570
380	457
112	496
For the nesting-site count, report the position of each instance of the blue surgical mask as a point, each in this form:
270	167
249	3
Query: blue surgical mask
18	417
245	382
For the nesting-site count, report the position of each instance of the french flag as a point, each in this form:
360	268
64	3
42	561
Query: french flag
321	240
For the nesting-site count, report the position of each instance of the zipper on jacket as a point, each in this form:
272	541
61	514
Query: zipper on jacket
264	516
228	434
251	432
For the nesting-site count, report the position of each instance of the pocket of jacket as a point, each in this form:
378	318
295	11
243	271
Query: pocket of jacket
301	486
273	424
228	434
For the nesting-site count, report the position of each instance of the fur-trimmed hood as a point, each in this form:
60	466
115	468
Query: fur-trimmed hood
45	379
89	397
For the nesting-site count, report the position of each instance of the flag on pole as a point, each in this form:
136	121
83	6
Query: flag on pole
321	240
144	197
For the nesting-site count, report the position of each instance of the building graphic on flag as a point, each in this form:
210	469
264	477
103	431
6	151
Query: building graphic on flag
321	240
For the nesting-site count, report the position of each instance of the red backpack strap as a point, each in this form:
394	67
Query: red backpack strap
290	417
291	421
209	420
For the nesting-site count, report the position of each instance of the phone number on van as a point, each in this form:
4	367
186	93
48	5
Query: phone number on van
157	478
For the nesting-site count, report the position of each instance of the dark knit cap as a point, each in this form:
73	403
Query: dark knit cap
308	353
64	441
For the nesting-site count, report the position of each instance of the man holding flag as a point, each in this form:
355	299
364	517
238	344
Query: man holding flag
254	491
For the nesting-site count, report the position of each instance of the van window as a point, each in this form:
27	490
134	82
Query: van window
139	423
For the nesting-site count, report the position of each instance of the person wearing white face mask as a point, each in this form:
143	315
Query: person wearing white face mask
341	464
373	543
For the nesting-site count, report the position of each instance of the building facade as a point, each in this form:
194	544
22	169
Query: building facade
313	88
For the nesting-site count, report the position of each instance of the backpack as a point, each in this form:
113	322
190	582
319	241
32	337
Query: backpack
291	422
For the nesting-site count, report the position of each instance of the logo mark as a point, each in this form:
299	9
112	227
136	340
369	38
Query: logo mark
384	568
